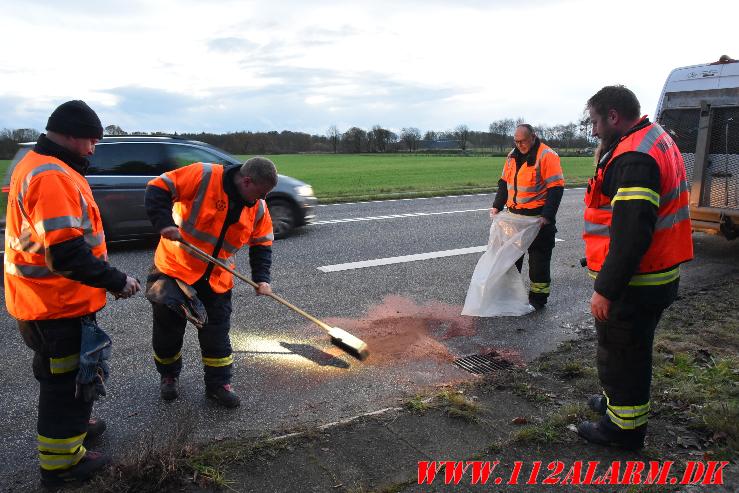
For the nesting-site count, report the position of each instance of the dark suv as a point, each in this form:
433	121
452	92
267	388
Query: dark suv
122	166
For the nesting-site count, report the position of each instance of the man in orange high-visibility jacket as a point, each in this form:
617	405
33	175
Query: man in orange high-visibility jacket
637	233
56	277
532	185
219	210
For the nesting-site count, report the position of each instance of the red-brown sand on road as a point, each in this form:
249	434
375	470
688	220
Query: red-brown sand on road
400	329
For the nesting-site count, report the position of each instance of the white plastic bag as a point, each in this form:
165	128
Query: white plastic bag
496	287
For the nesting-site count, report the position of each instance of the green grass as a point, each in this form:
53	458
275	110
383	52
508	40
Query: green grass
344	177
4	163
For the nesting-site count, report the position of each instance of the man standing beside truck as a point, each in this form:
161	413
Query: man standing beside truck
637	233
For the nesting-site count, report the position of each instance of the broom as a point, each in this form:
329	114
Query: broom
339	337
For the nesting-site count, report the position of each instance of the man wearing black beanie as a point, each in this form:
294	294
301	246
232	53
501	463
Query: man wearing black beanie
56	278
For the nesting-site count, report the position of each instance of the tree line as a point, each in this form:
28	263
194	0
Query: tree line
497	139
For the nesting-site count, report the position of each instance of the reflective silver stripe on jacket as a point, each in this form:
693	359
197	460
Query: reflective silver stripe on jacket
545	152
262	239
229	248
23	242
27	181
260	212
597	229
674	193
61	222
670	220
200	196
170	184
553	178
531	199
29	271
650	138
200	235
537	188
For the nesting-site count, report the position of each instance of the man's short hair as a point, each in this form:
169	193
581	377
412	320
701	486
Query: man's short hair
527	127
617	98
261	170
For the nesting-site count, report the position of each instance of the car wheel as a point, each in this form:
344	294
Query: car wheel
283	217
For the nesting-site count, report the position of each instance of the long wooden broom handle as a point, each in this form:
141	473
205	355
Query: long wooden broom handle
223	266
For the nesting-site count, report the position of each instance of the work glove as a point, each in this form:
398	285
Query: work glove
92	391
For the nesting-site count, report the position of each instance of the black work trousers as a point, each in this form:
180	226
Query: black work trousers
540	259
62	418
624	355
215	343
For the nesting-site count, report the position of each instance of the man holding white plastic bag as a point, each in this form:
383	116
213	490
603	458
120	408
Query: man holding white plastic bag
531	187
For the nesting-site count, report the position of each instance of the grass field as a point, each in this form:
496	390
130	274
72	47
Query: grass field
343	177
349	177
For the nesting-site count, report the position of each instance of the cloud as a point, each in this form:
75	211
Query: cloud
231	44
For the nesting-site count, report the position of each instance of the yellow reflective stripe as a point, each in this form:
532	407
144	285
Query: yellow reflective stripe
656	279
539	287
627	417
637	193
627	424
52	462
65	364
228	360
168	361
625	411
60	445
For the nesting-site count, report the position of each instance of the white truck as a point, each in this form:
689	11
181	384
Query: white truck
699	107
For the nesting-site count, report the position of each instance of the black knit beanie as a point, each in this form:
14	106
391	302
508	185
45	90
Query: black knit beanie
76	119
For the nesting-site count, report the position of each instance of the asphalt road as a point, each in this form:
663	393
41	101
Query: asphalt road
286	371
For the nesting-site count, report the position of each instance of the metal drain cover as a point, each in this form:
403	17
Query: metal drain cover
480	364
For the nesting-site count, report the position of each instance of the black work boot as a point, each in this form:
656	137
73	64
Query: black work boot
223	394
598	403
168	388
604	432
538	300
88	466
95	428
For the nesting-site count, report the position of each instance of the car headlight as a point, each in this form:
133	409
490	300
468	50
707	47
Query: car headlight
304	190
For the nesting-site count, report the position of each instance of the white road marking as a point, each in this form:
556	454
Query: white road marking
393	216
402	259
363	264
404	200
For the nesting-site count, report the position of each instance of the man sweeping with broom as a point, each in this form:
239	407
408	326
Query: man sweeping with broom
218	210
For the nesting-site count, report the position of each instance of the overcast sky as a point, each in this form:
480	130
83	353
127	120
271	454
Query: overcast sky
222	66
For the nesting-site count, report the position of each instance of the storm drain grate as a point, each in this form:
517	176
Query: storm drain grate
480	364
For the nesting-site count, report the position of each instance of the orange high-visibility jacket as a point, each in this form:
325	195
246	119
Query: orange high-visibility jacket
200	208
48	203
672	243
527	188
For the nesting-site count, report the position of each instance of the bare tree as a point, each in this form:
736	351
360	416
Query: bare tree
334	136
114	130
461	135
410	137
380	138
19	135
353	139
